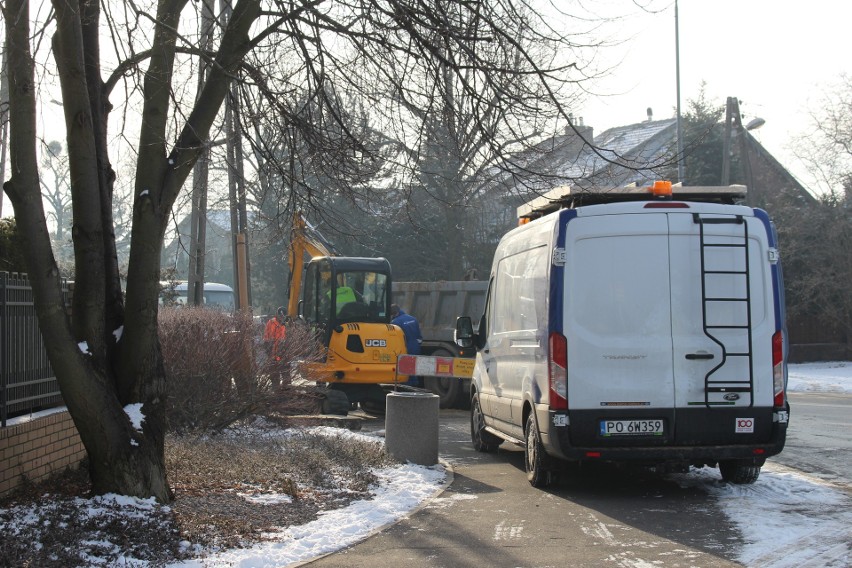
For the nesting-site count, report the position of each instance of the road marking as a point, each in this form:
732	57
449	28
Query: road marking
503	532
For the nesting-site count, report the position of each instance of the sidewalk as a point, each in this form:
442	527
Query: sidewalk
490	516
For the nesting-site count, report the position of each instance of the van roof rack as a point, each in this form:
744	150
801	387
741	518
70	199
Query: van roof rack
568	197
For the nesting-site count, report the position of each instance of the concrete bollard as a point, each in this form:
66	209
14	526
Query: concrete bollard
411	427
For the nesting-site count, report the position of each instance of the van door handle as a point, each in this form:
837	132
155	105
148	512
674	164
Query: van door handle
694	356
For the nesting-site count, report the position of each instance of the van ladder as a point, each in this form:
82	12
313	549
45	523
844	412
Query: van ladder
715	330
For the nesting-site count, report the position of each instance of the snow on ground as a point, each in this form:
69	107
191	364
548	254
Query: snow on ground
402	489
820	377
787	519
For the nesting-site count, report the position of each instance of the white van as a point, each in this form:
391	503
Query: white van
634	326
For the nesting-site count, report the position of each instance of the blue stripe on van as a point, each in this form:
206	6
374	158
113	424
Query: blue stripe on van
777	275
557	275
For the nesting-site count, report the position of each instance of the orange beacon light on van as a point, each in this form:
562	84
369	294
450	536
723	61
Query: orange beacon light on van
661	189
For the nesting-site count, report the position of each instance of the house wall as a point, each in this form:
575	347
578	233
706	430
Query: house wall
32	451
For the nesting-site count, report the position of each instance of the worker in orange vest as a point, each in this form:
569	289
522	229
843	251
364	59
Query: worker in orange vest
275	333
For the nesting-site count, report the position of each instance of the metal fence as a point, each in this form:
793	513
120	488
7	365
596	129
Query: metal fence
27	381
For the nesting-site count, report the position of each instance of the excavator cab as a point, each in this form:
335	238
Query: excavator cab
341	290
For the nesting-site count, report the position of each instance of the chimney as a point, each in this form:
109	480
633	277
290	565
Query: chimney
650	112
571	139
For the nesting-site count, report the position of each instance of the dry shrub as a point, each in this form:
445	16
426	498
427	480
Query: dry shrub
302	345
219	375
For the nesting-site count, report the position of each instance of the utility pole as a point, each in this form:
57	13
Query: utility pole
237	191
726	141
198	216
734	127
680	157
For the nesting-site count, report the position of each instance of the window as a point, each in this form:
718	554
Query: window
520	292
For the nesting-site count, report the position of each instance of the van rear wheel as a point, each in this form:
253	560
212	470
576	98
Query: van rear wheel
483	441
740	472
537	461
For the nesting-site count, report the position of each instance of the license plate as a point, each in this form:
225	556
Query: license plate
652	427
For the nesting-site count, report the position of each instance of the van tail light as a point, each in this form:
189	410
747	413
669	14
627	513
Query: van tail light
778	369
558	371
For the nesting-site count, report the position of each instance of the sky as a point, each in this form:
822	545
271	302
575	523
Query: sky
793	517
778	57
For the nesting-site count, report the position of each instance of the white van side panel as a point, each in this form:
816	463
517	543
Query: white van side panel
514	359
618	313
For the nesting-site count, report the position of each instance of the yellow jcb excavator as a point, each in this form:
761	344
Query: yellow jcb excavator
346	300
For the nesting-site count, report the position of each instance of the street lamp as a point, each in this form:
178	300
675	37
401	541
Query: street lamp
680	173
755	123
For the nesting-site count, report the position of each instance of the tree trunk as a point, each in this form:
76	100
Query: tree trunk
121	459
109	370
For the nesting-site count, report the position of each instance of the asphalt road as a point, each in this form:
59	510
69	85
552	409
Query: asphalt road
819	438
490	516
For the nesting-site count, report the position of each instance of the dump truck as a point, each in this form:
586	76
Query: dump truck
436	305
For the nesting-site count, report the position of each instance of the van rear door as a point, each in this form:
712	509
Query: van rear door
618	326
722	325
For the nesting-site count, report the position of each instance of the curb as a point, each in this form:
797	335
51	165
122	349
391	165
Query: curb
423	504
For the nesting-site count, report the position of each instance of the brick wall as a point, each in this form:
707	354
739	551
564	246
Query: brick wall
33	450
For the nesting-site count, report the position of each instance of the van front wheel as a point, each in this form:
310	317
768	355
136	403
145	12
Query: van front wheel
538	474
483	441
736	471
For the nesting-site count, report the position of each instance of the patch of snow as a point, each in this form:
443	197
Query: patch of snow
134	413
787	519
266	498
84	347
35	415
400	490
118	333
833	376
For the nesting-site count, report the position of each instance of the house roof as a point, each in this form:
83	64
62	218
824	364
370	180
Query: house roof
635	153
614	158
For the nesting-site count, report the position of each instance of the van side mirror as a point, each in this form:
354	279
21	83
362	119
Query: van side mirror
464	335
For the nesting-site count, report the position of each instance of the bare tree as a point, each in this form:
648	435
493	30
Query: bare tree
107	357
57	194
827	148
815	239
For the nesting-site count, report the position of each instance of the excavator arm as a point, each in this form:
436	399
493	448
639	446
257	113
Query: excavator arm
304	239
